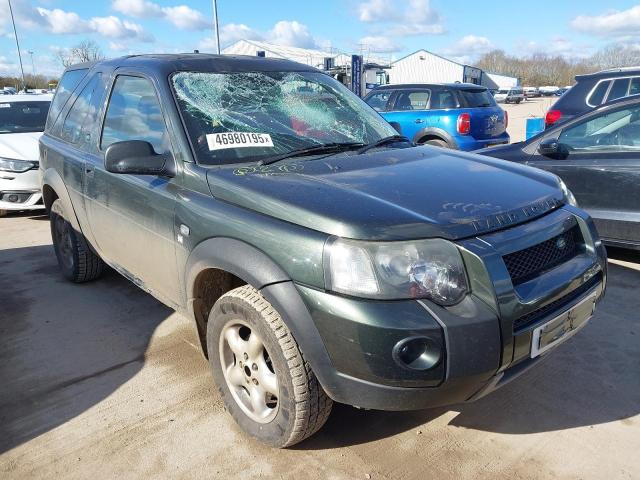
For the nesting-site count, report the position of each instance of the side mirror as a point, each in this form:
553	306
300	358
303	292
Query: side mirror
137	157
396	126
550	147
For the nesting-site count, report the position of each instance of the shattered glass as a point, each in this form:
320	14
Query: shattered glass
297	109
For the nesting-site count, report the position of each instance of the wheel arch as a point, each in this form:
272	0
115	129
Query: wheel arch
54	188
433	133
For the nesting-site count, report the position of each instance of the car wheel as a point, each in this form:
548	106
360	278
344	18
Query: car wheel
76	260
261	374
3	213
436	143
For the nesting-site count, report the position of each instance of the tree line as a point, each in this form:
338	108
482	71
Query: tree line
541	69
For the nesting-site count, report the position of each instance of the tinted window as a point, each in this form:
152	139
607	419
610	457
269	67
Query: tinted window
378	101
635	86
412	100
82	115
473	98
68	83
597	96
619	89
613	132
20	117
134	114
441	99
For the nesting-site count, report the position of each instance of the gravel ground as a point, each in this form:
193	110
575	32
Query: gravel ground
518	114
102	381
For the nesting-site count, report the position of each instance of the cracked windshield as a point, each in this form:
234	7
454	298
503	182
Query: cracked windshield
241	117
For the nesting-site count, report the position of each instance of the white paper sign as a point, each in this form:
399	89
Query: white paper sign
221	141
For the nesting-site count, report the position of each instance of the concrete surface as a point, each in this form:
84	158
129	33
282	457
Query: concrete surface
102	381
518	114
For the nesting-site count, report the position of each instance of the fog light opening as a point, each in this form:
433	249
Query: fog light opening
417	353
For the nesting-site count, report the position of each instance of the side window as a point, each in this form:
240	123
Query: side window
68	83
82	115
634	89
378	101
443	99
412	100
134	113
597	96
613	132
619	89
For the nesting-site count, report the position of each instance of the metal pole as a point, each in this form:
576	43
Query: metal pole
215	22
15	32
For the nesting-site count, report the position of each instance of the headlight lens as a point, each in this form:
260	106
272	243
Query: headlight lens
430	269
568	195
16	166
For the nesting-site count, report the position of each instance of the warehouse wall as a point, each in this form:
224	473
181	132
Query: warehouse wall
494	80
425	67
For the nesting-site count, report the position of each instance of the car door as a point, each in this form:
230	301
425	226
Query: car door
132	216
409	109
601	166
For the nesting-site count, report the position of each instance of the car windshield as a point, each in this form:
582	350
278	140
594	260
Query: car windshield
251	116
21	116
475	97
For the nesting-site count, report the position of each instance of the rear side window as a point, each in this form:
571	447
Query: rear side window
82	115
68	83
619	89
378	101
597	96
134	113
474	98
441	99
634	89
412	100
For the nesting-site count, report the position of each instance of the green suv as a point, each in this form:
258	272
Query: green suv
322	256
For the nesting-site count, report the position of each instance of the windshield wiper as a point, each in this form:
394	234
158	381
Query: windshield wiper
384	141
316	149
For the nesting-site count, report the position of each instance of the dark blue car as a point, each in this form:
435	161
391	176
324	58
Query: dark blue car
458	115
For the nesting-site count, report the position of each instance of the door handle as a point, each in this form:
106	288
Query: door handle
419	120
88	171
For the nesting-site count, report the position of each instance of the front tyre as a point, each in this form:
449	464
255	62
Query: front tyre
77	261
263	379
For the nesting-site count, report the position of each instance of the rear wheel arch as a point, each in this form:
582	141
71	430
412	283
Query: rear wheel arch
427	134
54	188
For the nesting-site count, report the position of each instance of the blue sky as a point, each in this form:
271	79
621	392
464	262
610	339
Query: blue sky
462	30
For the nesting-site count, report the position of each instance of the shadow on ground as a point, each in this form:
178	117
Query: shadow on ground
593	379
64	347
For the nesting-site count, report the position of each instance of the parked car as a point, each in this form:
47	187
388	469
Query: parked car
509	95
548	91
597	154
561	91
460	116
22	120
592	90
322	256
531	92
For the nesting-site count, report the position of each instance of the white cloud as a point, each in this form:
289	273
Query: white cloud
469	48
613	23
379	44
291	33
181	16
400	18
60	22
137	8
232	32
113	27
557	46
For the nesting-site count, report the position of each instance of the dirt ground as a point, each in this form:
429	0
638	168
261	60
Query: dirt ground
102	381
518	114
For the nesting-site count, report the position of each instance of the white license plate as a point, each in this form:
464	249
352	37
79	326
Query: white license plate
564	326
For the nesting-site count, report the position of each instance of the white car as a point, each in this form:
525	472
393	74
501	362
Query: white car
22	119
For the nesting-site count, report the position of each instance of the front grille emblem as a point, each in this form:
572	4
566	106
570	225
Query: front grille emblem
561	243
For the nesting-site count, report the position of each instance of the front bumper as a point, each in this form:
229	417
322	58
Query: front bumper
481	349
20	191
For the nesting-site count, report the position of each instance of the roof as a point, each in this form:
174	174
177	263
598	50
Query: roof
612	72
312	57
393	86
204	62
26	97
430	53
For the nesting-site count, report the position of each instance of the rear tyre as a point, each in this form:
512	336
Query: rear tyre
437	143
77	261
3	213
265	382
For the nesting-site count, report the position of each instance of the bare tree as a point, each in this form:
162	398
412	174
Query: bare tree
85	51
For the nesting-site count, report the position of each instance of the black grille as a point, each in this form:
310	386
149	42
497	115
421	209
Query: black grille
532	317
528	263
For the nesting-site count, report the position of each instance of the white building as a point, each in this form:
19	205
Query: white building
426	67
499	81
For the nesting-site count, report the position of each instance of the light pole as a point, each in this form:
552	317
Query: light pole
215	24
15	32
33	68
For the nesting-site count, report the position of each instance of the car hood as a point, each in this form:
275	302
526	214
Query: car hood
393	194
20	146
